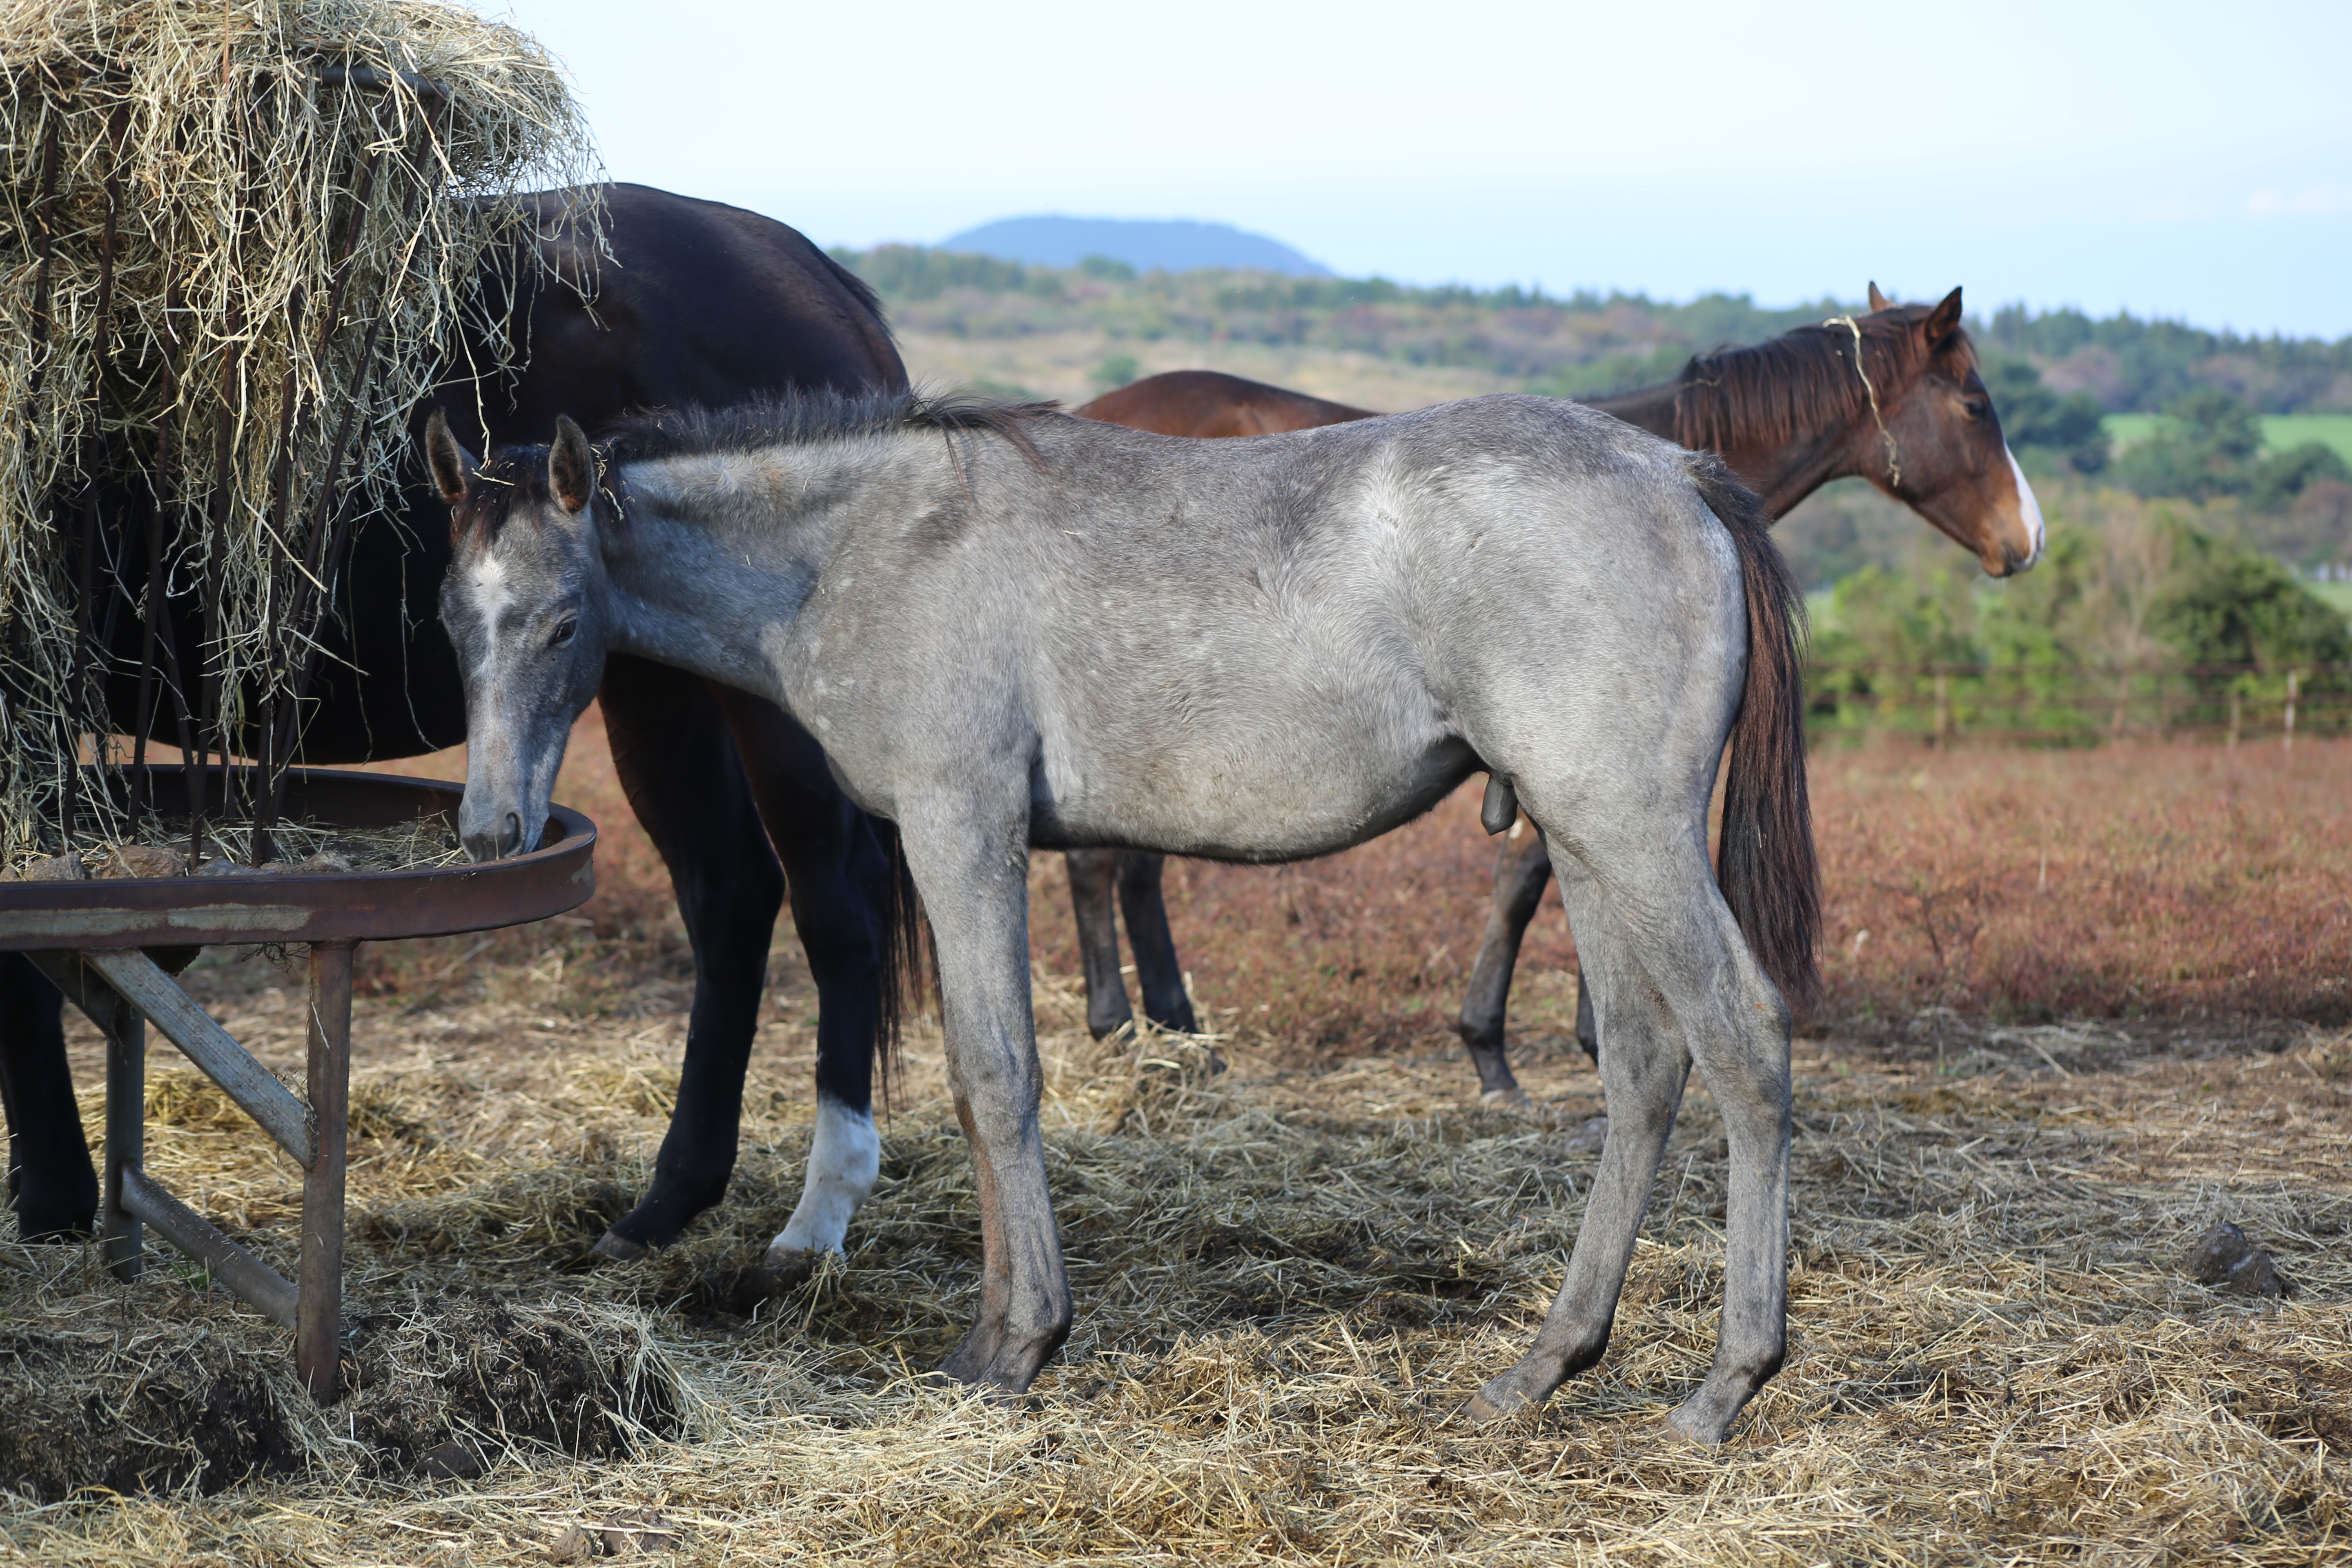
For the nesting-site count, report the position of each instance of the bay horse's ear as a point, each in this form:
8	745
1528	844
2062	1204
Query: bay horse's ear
1878	301
1945	319
572	466
451	464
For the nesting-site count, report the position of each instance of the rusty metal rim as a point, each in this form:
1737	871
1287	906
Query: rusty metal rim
189	911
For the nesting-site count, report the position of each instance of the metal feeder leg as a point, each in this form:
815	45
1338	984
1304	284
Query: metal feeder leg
317	1329
126	1132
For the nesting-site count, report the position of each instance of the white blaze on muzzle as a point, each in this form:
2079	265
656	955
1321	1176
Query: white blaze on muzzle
2029	511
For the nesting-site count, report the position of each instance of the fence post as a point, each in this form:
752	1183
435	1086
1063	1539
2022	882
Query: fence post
1942	708
2237	710
2286	739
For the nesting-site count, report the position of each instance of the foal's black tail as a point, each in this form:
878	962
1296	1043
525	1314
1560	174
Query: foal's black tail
1766	863
905	942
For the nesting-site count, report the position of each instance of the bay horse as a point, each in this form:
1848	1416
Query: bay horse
701	303
1010	627
1911	415
1211	403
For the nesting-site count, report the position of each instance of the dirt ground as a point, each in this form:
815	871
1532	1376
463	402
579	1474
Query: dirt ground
1290	1272
1288	1279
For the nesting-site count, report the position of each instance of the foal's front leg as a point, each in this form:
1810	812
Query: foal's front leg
972	868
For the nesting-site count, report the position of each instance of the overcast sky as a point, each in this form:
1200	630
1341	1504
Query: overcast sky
2183	160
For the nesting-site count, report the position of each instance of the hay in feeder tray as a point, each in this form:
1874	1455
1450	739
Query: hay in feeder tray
237	244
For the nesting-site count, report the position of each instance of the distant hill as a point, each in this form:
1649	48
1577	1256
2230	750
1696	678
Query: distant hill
1146	245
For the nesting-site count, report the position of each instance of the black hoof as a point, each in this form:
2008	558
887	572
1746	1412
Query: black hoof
57	1225
619	1247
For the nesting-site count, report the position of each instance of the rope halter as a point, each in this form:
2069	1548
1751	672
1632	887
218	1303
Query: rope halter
1893	454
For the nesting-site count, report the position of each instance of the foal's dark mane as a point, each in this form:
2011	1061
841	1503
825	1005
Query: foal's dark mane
517	477
1804	380
801	418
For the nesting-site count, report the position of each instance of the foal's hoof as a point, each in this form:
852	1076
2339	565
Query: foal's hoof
1511	1099
1704	1428
1484	1411
619	1247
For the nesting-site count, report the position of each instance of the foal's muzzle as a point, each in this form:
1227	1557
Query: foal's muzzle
499	842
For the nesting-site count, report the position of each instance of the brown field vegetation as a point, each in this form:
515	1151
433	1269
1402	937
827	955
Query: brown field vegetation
1290	1273
2182	880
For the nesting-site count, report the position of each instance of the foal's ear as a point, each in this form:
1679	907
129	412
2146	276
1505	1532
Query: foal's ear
1945	319
572	466
1878	301
452	465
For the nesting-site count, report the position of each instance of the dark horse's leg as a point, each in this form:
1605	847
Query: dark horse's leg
1158	973
674	758
1135	874
1520	872
841	879
52	1185
1093	874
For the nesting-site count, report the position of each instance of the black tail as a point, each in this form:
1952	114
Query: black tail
1765	862
905	942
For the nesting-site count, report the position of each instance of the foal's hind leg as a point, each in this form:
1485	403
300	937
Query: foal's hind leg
1521	870
1158	975
1692	970
1093	874
1643	1076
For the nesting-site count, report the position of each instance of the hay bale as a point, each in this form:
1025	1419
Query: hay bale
450	1392
236	244
97	1398
95	1393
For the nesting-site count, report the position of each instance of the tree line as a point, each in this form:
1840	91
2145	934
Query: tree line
1582	343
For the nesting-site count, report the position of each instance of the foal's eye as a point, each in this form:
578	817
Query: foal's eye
565	632
1977	408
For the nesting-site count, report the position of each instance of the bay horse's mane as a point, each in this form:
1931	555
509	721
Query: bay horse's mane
1773	392
800	418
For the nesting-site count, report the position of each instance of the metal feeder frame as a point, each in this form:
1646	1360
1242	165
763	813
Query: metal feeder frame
96	941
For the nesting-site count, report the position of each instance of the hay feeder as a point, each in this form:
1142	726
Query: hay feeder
99	941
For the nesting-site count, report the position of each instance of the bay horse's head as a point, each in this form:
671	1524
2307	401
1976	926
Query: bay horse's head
528	608
1945	453
1897	398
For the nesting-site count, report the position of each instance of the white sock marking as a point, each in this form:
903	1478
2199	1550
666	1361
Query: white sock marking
844	1162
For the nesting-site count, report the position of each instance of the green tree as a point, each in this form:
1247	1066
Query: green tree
2280	477
2071	429
2227	605
2205	446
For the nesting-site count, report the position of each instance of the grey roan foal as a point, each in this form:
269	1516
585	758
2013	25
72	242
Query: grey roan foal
1010	629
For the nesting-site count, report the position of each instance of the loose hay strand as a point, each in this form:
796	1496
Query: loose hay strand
1288	1282
300	195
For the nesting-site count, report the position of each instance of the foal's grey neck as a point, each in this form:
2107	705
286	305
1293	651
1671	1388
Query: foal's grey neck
725	548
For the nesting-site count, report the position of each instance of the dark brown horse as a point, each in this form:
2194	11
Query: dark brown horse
1209	402
703	304
1893	396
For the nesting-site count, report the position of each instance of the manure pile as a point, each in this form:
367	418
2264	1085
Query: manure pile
236	241
1287	1281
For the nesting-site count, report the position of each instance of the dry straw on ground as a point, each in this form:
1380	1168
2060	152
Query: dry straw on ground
236	242
1288	1279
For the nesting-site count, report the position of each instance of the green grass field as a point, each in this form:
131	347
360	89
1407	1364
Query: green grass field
2280	431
